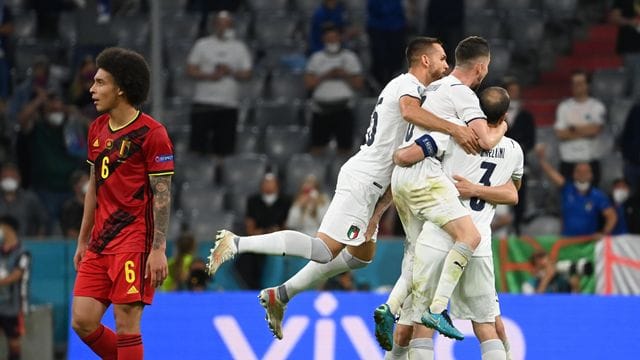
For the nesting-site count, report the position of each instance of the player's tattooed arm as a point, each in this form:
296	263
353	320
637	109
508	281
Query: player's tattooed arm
161	187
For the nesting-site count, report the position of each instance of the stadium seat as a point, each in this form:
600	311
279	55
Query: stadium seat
198	171
299	167
265	6
618	112
274	30
306	7
28	49
485	23
205	225
276	113
613	165
500	63
280	143
526	29
287	86
237	202
248	140
130	31
476	6
201	200
244	172
334	169
509	5
179	27
544	225
608	84
253	88
560	9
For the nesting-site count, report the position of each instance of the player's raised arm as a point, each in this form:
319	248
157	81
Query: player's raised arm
412	112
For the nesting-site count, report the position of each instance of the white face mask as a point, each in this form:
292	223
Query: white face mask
620	195
56	118
269	199
85	187
582	185
9	184
332	47
229	34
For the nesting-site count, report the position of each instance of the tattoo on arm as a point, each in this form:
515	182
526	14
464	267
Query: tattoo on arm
161	187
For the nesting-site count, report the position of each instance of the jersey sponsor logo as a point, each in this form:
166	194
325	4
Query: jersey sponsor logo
96	143
132	290
164	158
353	232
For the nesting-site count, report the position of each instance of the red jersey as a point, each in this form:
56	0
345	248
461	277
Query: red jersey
123	161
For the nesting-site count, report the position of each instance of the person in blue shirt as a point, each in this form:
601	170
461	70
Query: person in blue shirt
583	205
329	11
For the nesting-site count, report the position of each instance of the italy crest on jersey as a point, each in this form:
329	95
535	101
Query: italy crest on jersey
353	232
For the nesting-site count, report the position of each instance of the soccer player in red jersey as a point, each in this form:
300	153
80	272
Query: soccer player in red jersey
120	256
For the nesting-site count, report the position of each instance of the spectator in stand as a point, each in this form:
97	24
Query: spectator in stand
583	204
579	122
328	12
266	212
626	208
626	14
217	63
15	263
198	278
308	208
72	209
632	211
204	7
52	149
386	26
445	21
630	146
6	53
547	279
180	263
522	128
79	90
22	204
333	75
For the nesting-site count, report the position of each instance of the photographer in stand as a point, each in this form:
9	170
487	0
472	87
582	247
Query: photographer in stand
555	277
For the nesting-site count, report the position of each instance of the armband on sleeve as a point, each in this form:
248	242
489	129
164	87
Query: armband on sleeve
428	145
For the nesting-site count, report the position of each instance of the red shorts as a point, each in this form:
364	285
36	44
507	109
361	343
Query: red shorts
114	278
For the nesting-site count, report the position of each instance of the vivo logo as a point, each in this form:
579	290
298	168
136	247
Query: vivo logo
324	331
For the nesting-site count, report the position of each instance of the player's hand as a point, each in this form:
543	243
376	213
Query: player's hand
77	257
157	267
465	187
467	139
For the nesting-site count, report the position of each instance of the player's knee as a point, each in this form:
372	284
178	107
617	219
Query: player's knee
127	319
403	334
83	325
485	331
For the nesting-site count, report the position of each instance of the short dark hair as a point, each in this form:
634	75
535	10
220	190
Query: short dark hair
583	72
494	102
470	49
10	221
129	70
419	45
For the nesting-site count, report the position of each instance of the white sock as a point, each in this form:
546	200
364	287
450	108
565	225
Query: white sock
400	291
397	353
493	350
507	349
285	243
313	273
421	349
454	264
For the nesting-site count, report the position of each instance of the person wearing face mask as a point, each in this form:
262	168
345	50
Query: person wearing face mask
72	210
15	264
627	208
48	153
266	212
333	75
583	204
217	63
22	204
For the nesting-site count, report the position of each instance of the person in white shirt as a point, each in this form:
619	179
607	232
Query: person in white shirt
429	193
579	123
333	74
217	63
483	181
308	208
361	194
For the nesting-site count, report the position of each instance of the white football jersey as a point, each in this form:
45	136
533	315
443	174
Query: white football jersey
374	162
451	100
505	162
